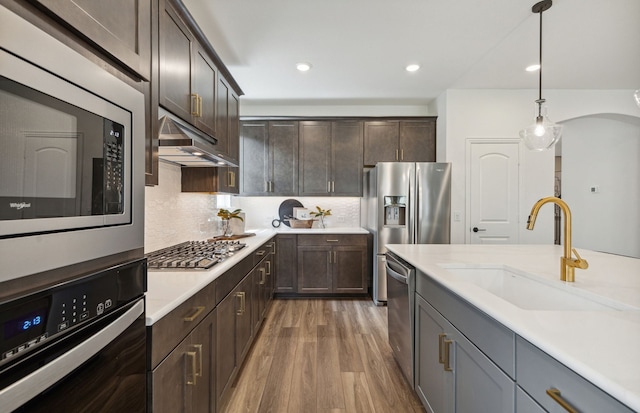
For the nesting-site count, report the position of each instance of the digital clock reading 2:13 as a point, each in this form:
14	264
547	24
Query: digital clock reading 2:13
24	324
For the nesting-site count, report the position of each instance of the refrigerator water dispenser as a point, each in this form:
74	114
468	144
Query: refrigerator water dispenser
395	208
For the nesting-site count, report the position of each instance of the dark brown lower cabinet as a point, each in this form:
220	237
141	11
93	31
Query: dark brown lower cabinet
185	380
286	268
332	264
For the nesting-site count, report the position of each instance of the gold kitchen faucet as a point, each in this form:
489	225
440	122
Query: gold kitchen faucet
568	264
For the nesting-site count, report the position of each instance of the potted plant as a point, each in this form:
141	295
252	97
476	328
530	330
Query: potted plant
226	217
321	213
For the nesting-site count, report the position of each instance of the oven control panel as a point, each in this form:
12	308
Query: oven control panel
39	317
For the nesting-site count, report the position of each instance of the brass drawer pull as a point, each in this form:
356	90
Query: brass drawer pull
441	338
557	397
260	253
269	267
241	296
263	276
333	240
447	355
192	380
199	348
196	312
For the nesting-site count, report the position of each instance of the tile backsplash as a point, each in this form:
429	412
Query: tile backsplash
172	217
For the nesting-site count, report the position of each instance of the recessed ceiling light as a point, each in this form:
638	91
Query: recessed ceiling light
412	68
303	67
532	68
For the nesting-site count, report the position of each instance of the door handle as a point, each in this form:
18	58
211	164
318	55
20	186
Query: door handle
476	229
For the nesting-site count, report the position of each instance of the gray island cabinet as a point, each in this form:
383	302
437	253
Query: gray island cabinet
465	361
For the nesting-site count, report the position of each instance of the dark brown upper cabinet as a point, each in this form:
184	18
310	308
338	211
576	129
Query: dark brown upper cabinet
269	164
187	74
399	141
330	158
120	28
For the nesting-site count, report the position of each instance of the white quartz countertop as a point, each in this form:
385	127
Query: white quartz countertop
283	229
602	346
167	289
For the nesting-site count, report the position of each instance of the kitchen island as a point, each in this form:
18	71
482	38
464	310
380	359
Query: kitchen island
602	346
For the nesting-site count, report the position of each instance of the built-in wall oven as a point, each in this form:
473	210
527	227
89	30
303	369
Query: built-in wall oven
71	155
76	347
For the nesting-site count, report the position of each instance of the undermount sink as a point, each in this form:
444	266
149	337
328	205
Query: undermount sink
529	291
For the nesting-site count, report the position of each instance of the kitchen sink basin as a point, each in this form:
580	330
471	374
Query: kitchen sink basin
529	291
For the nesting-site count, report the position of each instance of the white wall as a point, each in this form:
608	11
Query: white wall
465	114
603	151
495	114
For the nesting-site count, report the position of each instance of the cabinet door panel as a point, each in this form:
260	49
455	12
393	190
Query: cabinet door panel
120	27
349	270
418	141
244	330
254	171
287	265
433	384
380	142
204	81
479	384
202	344
226	344
314	158
346	158
170	392
283	158
222	116
314	270
175	64
234	127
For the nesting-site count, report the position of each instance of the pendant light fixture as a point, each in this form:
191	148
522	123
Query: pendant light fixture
636	97
543	133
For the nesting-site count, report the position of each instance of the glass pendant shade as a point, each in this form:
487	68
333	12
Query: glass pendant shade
636	96
543	133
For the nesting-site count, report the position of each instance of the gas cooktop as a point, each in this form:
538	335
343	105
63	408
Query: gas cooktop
193	255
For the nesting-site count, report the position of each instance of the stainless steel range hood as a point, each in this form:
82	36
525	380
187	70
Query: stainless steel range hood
184	145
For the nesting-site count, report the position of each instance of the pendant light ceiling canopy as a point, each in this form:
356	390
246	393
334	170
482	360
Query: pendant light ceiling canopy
543	133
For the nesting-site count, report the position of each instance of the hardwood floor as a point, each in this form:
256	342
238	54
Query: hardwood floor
322	355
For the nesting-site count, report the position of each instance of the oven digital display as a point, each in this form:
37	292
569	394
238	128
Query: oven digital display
33	320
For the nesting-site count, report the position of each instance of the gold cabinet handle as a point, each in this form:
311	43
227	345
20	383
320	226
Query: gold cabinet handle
397	157
192	378
328	186
198	347
329	252
441	338
333	186
268	267
231	177
194	104
263	276
260	253
402	154
199	106
273	245
241	296
333	240
447	354
196	312
335	257
557	397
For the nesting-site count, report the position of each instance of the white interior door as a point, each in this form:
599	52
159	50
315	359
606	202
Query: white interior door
493	192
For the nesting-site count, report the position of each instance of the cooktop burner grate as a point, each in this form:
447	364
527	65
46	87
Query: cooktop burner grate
193	255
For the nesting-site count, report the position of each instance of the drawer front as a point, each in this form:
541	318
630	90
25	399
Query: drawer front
171	329
492	338
332	239
538	372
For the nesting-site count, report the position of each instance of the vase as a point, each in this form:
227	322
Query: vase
226	228
321	222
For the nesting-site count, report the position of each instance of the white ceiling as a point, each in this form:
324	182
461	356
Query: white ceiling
359	48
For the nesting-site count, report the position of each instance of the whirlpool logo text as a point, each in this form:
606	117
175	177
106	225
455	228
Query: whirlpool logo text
19	205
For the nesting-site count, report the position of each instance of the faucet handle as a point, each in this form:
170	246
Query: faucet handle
579	262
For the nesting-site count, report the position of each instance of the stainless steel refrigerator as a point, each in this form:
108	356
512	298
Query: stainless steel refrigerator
405	203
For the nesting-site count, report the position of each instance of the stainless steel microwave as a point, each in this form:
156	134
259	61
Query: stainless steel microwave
71	155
